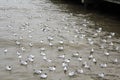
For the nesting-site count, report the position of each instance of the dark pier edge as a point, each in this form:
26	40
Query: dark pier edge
88	3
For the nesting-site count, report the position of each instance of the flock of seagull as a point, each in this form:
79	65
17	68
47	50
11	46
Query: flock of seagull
67	61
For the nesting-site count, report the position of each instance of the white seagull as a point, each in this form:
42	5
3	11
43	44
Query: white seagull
71	74
8	68
5	51
43	75
38	72
24	63
52	68
101	75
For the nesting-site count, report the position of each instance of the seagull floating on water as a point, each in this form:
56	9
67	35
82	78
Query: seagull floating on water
99	30
60	48
65	69
50	44
30	59
24	63
18	43
75	54
61	42
31	56
50	38
5	51
71	74
8	68
19	56
18	53
23	49
80	59
67	60
103	65
42	49
30	44
38	72
43	75
112	34
62	56
115	60
106	53
52	68
101	75
90	57
43	54
92	51
80	71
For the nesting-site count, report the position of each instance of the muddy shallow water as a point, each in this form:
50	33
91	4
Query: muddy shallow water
41	22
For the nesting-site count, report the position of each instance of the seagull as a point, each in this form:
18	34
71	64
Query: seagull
41	41
61	56
112	34
30	59
89	39
82	36
106	53
65	69
80	59
43	54
8	68
67	60
18	53
49	60
60	48
85	65
94	60
71	74
29	31
116	48
30	44
92	51
38	72
104	40
42	49
50	44
45	58
24	63
84	25
90	57
23	49
5	51
50	38
115	60
19	56
30	36
80	71
31	56
61	42
111	44
109	36
18	43
103	65
15	34
64	64
95	35
102	46
75	54
99	30
101	75
52	68
43	75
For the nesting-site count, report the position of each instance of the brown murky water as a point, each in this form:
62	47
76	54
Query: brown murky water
34	21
